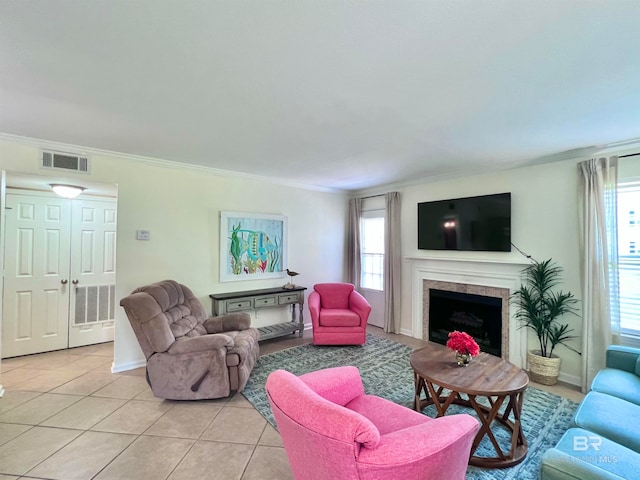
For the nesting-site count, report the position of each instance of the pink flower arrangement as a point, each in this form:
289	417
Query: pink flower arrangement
463	343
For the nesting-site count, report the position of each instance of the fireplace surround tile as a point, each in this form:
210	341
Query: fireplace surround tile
486	291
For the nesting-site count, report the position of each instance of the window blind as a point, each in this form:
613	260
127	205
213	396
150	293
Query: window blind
629	256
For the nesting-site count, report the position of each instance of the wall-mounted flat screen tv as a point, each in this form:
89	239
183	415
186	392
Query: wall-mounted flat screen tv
471	223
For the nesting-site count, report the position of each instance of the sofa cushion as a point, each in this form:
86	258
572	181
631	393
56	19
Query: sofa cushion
611	417
621	384
584	455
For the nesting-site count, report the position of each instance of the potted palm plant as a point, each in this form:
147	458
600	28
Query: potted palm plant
539	307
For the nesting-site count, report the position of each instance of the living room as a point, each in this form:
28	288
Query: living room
181	206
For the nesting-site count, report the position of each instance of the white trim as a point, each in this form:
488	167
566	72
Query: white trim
408	333
630	340
570	379
51	145
487	273
621	148
124	367
3	201
1	390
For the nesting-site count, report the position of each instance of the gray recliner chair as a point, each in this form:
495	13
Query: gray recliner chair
190	356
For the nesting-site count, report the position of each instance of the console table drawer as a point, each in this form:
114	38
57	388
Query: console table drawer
239	304
286	298
265	301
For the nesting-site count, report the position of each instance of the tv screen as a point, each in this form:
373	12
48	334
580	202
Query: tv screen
472	223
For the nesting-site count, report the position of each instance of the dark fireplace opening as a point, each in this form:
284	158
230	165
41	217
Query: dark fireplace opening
478	315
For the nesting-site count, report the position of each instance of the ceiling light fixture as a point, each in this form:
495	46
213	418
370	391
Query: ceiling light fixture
67	191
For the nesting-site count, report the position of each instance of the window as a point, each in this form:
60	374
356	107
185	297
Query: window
629	256
372	250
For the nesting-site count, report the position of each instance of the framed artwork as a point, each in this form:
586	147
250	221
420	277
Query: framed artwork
253	246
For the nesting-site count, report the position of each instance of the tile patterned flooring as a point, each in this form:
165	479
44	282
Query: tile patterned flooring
65	416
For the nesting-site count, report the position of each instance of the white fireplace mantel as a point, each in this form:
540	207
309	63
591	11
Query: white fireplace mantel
487	273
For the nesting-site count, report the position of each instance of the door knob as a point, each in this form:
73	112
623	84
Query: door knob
64	282
75	282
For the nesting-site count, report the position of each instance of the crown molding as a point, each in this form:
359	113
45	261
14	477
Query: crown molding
157	162
624	147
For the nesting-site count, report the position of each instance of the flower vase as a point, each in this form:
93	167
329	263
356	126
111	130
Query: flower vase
463	359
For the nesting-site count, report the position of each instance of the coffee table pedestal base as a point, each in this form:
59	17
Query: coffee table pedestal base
510	419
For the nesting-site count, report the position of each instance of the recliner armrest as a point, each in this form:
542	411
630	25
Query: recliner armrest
201	344
227	323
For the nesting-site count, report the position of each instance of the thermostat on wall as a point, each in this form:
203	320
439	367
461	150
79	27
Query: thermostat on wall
143	235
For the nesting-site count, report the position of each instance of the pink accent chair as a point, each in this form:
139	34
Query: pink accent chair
332	430
339	314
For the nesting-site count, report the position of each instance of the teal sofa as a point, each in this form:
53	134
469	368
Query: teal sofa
604	439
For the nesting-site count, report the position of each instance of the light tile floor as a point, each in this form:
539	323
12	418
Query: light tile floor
65	416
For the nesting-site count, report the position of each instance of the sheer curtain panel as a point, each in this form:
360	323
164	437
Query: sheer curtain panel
353	242
392	263
598	180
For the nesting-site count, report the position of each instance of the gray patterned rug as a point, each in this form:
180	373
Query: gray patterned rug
385	370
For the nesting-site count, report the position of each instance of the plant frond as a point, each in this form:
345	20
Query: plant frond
539	306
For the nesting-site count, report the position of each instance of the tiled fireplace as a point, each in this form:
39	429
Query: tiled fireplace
481	311
473	296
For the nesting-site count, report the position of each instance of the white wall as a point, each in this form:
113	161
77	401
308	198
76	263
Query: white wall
629	168
181	208
544	225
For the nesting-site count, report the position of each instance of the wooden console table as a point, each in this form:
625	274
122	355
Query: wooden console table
223	303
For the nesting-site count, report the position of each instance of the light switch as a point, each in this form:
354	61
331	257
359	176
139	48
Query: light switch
143	235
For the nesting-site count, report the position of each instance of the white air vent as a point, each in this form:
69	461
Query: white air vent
64	161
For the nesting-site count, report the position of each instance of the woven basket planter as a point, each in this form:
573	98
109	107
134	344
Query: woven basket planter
543	370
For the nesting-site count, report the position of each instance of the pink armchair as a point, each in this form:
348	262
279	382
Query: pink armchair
339	314
331	429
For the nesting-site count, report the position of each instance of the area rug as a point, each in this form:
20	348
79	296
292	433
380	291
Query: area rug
385	370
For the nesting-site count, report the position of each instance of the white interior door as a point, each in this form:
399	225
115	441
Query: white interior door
376	300
36	286
93	272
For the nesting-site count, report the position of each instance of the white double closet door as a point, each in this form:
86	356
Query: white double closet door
59	283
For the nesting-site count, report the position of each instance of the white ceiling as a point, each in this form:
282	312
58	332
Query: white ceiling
344	94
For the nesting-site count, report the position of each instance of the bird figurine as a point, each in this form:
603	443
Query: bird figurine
291	274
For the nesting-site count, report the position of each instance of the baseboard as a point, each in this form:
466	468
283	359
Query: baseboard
123	367
1	391
408	333
570	379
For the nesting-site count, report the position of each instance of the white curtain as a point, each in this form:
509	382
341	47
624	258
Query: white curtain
599	262
392	263
353	241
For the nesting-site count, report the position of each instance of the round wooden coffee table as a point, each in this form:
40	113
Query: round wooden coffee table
435	370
